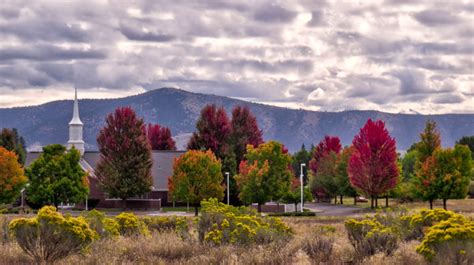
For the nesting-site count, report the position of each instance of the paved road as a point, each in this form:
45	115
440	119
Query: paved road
333	210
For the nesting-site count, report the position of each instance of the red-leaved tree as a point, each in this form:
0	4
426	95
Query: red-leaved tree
373	166
124	168
244	131
212	131
160	137
326	146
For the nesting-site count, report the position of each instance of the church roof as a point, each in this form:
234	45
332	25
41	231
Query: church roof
161	170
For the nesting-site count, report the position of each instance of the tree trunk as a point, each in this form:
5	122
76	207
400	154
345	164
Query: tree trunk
296	207
444	204
196	210
376	201
124	204
335	199
341	197
355	200
431	204
259	206
372	202
386	201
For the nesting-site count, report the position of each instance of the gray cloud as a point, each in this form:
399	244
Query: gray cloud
437	17
274	13
392	56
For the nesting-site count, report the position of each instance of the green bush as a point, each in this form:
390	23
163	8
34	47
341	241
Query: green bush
50	236
104	226
224	224
293	214
456	231
131	225
370	236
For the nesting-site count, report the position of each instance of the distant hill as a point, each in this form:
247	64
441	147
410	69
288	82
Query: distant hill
179	110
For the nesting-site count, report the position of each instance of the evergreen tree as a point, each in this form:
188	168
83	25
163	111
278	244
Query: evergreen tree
56	177
469	142
124	168
301	157
12	141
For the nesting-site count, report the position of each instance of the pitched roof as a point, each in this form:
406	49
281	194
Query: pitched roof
161	170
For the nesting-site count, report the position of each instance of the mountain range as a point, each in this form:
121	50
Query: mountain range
179	110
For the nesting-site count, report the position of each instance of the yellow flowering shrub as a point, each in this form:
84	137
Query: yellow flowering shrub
456	230
104	226
50	236
224	224
369	236
416	224
131	225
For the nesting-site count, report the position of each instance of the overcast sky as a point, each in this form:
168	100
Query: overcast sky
394	56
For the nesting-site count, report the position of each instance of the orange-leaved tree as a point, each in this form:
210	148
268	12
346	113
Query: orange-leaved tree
196	176
12	178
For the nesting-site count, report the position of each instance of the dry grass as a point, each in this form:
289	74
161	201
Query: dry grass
308	246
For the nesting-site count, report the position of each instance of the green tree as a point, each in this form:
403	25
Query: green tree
12	141
301	157
124	168
408	164
294	194
444	175
326	176
56	177
12	179
469	142
196	176
342	178
454	172
259	184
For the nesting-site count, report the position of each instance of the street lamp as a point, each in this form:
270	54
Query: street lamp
228	184
301	182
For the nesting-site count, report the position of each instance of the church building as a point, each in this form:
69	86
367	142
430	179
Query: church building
161	170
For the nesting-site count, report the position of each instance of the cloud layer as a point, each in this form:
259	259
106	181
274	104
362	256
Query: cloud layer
394	56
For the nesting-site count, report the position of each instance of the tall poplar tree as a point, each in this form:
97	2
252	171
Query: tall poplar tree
124	169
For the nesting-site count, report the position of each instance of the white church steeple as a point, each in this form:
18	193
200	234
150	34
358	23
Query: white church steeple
75	128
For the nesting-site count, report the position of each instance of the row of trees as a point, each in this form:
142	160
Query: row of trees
260	171
370	166
56	177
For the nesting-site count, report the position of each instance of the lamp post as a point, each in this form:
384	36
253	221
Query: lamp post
301	184
228	184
